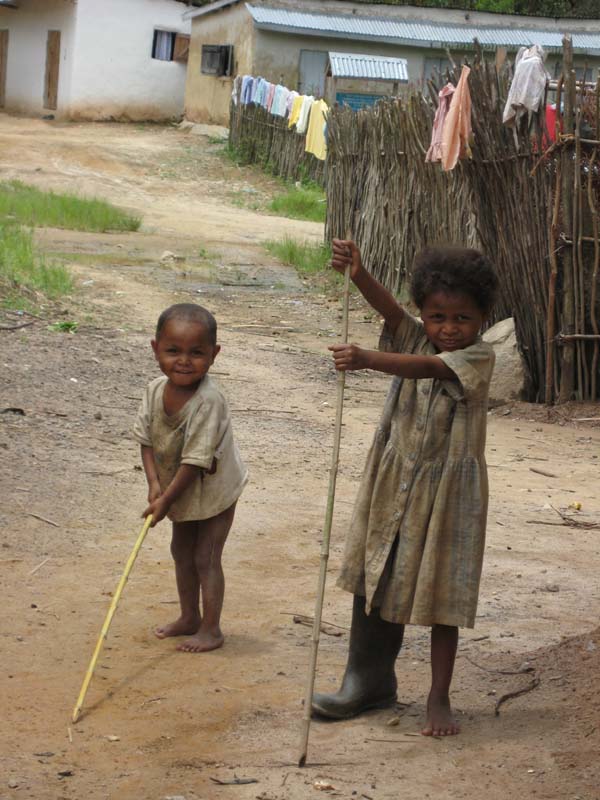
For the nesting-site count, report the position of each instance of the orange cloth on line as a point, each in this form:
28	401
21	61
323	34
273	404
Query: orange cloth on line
457	126
435	148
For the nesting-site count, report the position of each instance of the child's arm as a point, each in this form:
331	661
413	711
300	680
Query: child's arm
405	365
184	477
346	253
149	465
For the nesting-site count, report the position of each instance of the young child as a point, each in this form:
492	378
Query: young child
415	545
194	471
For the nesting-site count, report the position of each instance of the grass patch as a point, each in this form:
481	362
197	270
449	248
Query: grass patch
306	257
22	270
301	202
34	208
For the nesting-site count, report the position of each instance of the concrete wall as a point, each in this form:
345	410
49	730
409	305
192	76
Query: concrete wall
114	74
207	97
277	55
28	28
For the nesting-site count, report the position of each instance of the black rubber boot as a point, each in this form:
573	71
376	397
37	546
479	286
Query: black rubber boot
370	678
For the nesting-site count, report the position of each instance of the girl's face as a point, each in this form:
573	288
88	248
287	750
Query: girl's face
184	352
451	321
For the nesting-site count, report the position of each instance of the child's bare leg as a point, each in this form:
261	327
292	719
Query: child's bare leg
440	722
209	549
183	548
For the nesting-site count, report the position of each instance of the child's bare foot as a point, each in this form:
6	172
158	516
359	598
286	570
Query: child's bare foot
202	642
181	627
440	721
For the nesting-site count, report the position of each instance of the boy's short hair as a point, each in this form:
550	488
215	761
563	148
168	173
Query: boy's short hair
454	269
190	312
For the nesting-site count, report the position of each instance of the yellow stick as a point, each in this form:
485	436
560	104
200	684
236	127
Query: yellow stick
109	617
316	631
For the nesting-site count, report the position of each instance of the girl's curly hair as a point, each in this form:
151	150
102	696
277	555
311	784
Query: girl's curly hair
454	270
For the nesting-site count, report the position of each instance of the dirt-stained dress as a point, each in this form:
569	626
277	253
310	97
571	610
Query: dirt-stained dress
416	540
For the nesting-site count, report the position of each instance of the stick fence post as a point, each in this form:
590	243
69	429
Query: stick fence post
316	630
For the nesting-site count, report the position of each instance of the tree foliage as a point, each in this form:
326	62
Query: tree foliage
580	9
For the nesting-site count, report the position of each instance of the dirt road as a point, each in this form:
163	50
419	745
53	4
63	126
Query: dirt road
160	723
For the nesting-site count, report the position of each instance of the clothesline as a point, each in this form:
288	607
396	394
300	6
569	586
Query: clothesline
305	114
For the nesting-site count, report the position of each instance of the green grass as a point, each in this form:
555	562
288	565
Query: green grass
22	270
301	202
306	257
34	208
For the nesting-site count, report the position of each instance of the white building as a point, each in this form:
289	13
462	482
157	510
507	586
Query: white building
93	59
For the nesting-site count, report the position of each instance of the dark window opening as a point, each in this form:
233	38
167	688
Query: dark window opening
163	45
217	59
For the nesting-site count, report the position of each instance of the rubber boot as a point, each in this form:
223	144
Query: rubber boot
370	678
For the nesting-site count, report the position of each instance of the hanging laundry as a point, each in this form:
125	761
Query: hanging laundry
270	96
290	101
264	100
528	85
456	132
435	148
302	123
236	90
260	92
551	115
295	110
315	135
279	101
254	89
247	83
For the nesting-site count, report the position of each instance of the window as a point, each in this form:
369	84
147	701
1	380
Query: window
217	59
170	46
163	45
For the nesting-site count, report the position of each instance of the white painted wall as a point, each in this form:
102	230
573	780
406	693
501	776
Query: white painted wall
106	68
114	74
28	28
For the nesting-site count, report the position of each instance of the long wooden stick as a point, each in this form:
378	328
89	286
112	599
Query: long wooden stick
316	631
109	617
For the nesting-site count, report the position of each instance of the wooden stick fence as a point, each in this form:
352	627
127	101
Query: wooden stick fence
258	137
530	204
532	208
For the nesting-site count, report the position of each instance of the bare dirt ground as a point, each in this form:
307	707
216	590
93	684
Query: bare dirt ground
159	723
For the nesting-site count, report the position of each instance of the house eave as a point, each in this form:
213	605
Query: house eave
210	9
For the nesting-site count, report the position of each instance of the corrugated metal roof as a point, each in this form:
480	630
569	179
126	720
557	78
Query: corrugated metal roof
377	68
415	32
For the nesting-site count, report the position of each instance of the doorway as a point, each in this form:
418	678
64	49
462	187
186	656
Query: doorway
313	64
52	70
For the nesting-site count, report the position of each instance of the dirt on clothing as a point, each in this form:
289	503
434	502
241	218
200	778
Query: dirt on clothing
160	723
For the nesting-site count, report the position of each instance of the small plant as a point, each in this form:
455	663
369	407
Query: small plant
64	326
34	208
301	201
23	271
306	257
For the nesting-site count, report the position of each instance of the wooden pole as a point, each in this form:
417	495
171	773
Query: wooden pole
109	617
567	367
316	630
551	312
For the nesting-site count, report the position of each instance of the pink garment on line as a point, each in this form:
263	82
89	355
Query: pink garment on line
270	96
435	148
457	127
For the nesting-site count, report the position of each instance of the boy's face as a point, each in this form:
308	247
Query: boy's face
451	321
184	352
